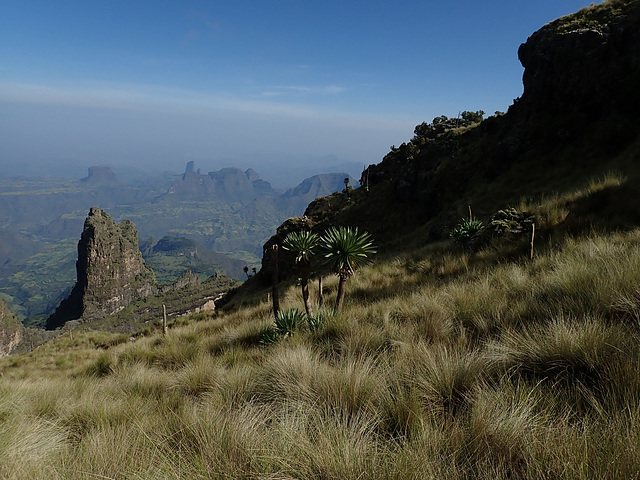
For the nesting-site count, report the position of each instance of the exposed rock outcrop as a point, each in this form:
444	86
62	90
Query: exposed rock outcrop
587	63
110	271
11	331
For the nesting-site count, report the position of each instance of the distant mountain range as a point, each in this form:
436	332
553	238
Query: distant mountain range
227	213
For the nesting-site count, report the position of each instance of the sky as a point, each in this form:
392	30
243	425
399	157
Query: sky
279	85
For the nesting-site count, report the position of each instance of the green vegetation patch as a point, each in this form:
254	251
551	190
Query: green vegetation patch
597	16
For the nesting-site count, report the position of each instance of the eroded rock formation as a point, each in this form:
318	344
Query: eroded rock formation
110	271
11	331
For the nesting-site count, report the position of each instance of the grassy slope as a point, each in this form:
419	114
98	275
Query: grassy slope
443	363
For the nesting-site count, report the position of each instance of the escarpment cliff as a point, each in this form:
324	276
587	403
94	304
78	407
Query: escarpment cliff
587	63
110	271
576	120
576	117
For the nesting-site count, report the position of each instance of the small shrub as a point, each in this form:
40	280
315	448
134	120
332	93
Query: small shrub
288	321
269	336
510	221
316	323
466	230
472	117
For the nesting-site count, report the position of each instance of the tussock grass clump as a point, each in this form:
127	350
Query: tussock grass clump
424	311
566	346
504	428
101	366
29	446
140	380
235	385
437	367
196	378
366	342
597	275
443	376
585	359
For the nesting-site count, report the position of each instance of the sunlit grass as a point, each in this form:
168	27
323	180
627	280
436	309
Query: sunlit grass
443	364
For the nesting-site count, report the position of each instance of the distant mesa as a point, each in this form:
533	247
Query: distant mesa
257	195
99	175
246	186
230	183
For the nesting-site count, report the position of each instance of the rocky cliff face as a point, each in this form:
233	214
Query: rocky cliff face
580	83
110	271
11	331
577	113
587	63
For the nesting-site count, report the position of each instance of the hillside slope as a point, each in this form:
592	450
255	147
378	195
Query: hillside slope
446	362
576	120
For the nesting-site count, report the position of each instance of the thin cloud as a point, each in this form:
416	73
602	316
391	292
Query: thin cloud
124	97
272	94
152	99
305	90
205	27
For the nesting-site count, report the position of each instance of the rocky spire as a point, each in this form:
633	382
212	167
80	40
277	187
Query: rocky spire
110	270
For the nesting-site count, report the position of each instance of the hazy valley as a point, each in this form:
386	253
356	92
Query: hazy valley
223	218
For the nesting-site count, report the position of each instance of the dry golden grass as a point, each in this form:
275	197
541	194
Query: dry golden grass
443	364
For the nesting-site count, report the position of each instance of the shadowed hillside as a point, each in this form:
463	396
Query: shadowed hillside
576	120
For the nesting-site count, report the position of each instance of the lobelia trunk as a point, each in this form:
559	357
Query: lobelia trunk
304	282
274	280
320	292
341	291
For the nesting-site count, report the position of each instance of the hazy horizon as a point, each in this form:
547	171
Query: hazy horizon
279	87
280	174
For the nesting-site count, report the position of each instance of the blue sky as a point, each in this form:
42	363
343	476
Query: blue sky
275	85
